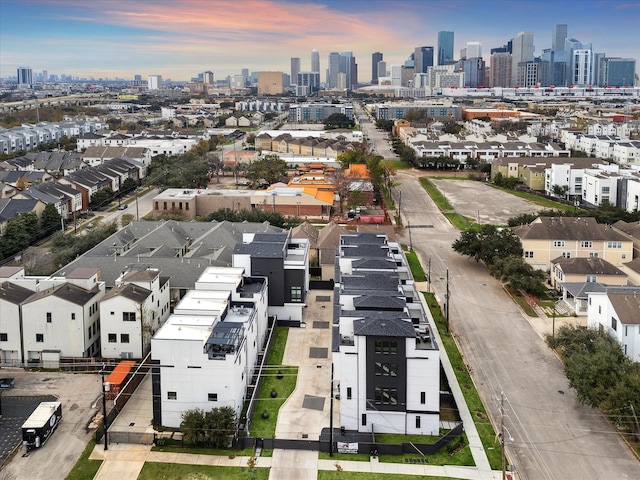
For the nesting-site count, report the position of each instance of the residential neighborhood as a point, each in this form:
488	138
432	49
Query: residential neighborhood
420	262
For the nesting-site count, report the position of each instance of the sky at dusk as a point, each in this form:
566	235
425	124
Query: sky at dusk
180	38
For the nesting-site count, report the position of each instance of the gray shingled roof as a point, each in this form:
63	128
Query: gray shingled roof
67	291
589	265
627	306
133	292
13	293
374	327
378	302
567	228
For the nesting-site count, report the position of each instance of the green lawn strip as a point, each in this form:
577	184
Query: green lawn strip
266	427
247	452
459	221
416	267
519	299
331	475
543	202
478	412
352	457
85	468
435	194
177	471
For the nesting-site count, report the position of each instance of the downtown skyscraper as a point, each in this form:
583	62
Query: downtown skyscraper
445	48
376	58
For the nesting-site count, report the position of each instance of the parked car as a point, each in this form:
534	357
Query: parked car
123	207
6	383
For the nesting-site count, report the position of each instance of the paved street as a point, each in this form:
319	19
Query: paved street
554	436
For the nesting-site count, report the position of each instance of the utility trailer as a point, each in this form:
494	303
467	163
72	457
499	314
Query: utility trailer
37	429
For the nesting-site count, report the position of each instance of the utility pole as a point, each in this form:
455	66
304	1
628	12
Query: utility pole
447	295
504	459
429	276
331	416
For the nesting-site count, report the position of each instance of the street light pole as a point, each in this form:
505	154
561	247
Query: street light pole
553	323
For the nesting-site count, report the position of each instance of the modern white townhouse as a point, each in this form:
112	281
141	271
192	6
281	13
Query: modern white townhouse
616	312
205	355
63	318
284	260
386	358
12	297
132	312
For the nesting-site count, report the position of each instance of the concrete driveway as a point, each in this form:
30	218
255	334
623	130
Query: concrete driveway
554	436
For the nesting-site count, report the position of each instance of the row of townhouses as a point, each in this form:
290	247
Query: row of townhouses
593	267
386	357
48	318
28	137
79	312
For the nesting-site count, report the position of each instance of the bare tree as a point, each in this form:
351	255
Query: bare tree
342	186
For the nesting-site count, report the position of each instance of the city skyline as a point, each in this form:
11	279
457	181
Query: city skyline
180	39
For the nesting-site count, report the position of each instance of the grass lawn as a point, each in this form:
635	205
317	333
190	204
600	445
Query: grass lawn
352	457
416	267
331	475
479	413
247	452
266	427
519	299
84	468
177	471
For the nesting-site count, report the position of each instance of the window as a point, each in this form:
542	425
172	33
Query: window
614	244
89	332
386	369
566	254
386	396
4	337
213	397
423	398
592	278
593	254
296	294
614	323
73	316
558	243
586	244
39	337
128	316
626	331
348	392
113	338
623	256
48	317
417	421
124	338
528	254
364	419
386	347
172	395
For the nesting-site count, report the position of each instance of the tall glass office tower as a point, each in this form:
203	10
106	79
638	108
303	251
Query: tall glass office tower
445	48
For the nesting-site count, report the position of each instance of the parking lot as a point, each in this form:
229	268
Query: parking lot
81	400
483	203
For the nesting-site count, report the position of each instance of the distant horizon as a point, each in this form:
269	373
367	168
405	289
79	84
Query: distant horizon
181	39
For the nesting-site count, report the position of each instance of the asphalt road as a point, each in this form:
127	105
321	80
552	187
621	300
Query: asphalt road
554	436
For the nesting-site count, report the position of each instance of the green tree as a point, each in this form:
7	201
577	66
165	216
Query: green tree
193	426
50	220
338	120
351	156
269	169
101	198
488	243
220	424
129	185
19	233
452	127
